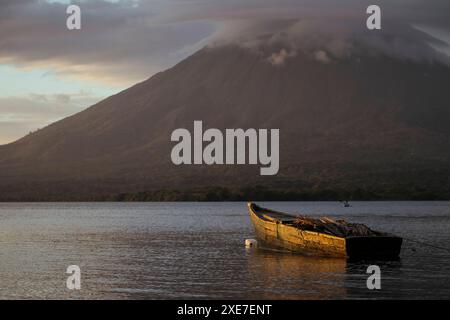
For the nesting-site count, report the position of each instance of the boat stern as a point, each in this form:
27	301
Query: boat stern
380	247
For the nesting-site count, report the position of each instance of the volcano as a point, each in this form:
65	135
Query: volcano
364	123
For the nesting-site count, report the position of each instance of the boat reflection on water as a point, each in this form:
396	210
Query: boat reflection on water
282	275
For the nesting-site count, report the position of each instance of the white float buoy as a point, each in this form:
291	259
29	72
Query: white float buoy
250	243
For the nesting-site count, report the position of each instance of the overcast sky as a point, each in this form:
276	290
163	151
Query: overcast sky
48	72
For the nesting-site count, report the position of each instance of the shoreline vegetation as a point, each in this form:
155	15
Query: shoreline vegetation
262	193
254	193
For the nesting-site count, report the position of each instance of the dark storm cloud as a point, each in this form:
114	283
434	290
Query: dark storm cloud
335	27
432	12
117	41
130	40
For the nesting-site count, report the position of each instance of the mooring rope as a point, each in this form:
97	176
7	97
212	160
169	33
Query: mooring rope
427	244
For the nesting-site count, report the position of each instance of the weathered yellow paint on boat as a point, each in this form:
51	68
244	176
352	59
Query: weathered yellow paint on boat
276	230
272	233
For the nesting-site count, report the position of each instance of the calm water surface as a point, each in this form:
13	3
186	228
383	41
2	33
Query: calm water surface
196	251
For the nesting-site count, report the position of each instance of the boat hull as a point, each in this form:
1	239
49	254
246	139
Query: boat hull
277	235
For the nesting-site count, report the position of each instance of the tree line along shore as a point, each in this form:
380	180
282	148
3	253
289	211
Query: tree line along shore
262	193
251	193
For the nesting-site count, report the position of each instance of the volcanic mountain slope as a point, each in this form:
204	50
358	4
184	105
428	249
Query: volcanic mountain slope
358	122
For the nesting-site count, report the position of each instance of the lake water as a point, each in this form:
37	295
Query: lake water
196	251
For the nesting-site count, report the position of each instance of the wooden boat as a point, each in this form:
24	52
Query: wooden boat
281	231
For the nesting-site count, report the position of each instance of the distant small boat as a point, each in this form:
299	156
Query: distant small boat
321	237
346	204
